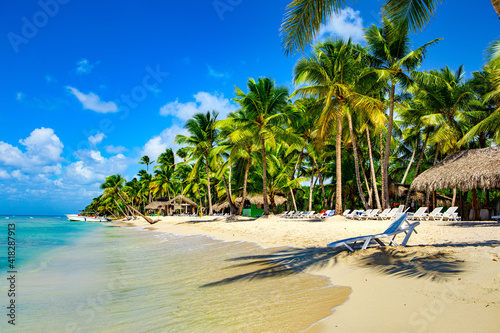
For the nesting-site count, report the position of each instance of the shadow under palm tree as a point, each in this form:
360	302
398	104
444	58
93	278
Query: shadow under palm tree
407	262
474	224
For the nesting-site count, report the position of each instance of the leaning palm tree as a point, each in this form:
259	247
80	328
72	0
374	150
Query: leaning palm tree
263	118
392	59
303	18
203	137
332	72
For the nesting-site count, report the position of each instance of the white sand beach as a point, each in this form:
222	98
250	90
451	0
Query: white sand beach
447	279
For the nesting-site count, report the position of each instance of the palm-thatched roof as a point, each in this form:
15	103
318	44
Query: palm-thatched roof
155	205
178	200
466	169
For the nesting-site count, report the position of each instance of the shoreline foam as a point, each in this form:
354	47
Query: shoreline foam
448	278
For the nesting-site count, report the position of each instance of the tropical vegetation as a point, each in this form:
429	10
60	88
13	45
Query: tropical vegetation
360	118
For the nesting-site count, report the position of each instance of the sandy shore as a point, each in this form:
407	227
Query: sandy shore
447	278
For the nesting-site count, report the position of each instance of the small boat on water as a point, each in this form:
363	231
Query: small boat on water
87	217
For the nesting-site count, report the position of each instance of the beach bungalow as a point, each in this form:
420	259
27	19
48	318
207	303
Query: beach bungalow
253	205
181	204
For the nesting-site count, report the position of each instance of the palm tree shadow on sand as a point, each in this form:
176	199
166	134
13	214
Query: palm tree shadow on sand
409	262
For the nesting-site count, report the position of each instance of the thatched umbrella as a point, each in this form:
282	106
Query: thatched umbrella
466	169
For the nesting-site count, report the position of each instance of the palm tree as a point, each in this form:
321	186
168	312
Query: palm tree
112	187
392	59
303	18
486	85
162	184
145	160
201	141
333	71
263	118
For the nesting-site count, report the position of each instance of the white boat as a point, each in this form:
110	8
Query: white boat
87	217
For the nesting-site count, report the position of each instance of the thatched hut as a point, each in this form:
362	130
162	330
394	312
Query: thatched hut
465	170
157	206
181	203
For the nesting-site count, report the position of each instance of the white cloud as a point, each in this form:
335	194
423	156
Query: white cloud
20	96
159	143
203	102
115	149
219	75
84	66
92	167
93	102
19	175
96	139
348	24
43	153
4	174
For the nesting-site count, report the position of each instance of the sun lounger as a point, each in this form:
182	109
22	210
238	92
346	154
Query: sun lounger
434	214
363	214
384	213
346	212
389	215
450	214
419	214
282	214
323	214
399	225
496	218
371	215
352	214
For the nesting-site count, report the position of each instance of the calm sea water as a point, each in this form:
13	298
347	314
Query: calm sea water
91	277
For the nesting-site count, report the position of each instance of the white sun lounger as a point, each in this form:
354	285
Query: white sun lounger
371	215
419	214
450	214
396	227
434	215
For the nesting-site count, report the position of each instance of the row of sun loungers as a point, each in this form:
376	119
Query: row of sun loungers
419	215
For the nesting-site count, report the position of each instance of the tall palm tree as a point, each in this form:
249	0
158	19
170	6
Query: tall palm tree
264	117
145	160
392	59
203	137
303	18
332	72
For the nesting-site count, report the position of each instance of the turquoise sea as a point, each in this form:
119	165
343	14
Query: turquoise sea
92	277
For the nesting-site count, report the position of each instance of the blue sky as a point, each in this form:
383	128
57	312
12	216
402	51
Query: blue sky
88	87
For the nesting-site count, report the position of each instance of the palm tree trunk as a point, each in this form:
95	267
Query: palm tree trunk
385	166
230	179
273	204
245	182
311	189
411	161
210	212
320	176
338	152
417	169
293	200
372	169
264	177
297	165
232	208
382	179
496	5
356	162
368	187
454	200
150	221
